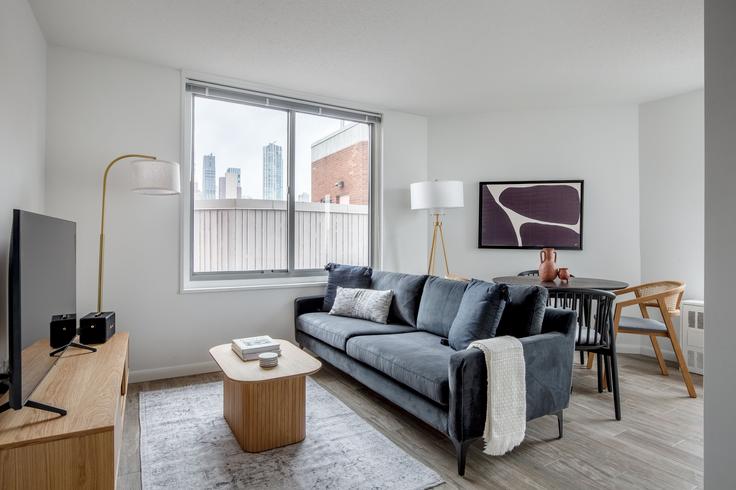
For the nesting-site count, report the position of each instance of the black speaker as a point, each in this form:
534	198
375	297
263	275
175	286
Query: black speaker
97	328
63	330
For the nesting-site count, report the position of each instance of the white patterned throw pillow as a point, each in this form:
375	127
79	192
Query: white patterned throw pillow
366	304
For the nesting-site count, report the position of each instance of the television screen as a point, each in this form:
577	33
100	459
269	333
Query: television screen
42	284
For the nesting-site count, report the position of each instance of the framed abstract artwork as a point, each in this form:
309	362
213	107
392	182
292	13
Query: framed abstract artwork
531	214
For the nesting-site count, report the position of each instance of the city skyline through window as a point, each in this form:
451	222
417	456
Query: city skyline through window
234	136
243	218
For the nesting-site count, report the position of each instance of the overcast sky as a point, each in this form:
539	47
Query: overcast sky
236	134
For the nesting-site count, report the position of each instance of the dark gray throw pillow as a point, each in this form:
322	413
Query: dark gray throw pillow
346	276
479	314
440	302
407	290
524	312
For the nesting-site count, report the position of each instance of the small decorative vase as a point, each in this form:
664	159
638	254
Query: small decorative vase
547	265
564	274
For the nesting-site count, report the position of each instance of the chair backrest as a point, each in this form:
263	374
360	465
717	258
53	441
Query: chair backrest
534	272
594	312
671	291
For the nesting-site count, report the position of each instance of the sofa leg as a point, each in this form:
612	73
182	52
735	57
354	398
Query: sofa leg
559	424
461	448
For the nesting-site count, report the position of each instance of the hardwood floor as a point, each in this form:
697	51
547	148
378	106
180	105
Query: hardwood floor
658	444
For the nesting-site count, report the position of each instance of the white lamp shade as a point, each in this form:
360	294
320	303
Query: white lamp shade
436	194
156	177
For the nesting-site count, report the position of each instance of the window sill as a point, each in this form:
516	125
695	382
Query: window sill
252	284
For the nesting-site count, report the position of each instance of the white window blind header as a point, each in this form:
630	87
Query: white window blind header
223	92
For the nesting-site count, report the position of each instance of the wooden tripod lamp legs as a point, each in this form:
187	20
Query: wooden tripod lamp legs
437	229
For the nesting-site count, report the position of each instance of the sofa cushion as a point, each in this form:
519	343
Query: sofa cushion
439	304
347	276
336	330
407	290
416	359
524	312
479	314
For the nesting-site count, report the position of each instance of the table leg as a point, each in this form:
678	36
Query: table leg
266	415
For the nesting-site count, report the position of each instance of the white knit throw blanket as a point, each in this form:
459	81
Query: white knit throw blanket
506	410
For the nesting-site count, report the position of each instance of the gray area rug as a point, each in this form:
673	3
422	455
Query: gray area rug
186	443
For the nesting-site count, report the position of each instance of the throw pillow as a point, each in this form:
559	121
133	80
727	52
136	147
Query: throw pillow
479	314
439	305
407	290
366	304
346	276
524	312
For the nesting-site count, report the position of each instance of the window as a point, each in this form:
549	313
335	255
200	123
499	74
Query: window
279	186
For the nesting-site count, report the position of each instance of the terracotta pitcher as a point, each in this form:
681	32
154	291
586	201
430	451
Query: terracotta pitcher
547	264
564	274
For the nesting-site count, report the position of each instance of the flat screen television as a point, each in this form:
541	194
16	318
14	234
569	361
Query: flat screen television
41	284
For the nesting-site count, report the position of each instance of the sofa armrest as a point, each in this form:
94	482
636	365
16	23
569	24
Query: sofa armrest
559	320
548	360
308	304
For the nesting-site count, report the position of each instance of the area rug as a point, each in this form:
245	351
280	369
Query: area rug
186	443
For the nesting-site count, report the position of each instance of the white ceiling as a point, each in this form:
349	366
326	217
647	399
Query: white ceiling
420	56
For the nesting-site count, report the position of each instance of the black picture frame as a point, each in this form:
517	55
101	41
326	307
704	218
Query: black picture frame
481	185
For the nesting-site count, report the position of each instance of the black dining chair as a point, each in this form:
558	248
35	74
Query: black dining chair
595	332
534	272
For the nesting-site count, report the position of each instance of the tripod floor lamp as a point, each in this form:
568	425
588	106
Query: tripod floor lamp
437	196
150	176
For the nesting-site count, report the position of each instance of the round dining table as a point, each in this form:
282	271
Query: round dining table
573	282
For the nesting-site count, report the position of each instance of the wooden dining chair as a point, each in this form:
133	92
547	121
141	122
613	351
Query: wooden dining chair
664	296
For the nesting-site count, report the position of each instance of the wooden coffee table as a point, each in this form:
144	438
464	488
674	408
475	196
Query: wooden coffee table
266	408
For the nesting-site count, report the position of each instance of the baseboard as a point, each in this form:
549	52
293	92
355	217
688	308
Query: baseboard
628	349
172	371
141	375
647	350
644	350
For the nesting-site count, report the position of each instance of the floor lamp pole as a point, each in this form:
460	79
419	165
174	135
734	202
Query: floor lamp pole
437	229
101	258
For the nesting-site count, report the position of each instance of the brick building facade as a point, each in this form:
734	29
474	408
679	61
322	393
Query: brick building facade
341	167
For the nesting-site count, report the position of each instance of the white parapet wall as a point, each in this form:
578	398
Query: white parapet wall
252	234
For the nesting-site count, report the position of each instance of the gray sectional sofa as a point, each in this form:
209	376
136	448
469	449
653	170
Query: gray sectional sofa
408	362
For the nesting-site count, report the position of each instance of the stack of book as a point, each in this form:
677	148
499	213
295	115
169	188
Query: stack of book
249	348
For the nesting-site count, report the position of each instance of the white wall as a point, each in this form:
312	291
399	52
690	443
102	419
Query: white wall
405	161
597	144
720	236
100	107
671	195
671	188
22	126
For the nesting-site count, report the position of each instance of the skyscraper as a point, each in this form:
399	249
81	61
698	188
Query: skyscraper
232	183
273	173
209	179
222	188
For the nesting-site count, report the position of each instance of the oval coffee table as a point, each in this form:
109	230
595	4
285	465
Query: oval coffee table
265	408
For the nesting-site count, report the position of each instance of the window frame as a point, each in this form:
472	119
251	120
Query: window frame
290	277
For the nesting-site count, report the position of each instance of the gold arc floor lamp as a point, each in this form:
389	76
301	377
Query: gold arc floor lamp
437	196
150	176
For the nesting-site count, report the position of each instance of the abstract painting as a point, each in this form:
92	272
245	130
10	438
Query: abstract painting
531	214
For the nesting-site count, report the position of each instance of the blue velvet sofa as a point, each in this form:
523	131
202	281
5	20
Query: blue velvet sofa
407	362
